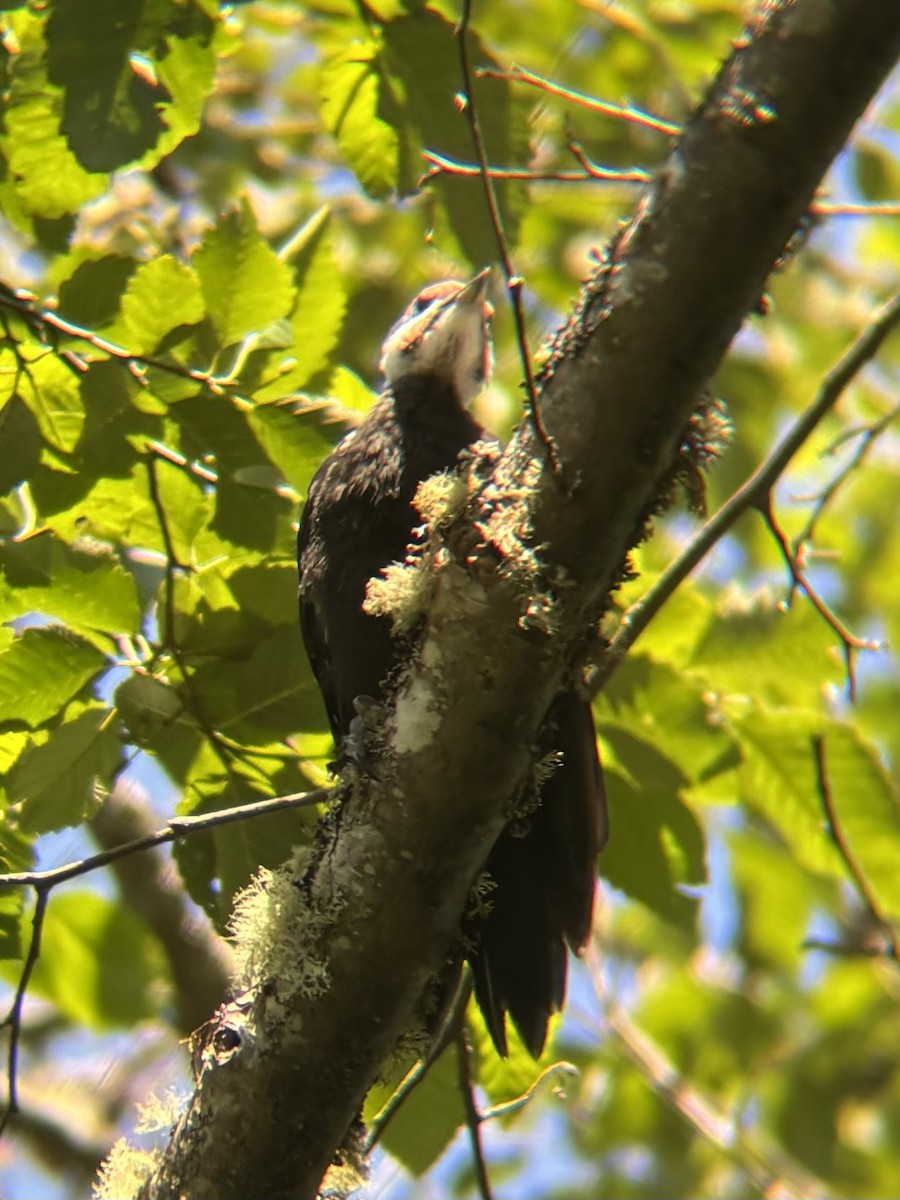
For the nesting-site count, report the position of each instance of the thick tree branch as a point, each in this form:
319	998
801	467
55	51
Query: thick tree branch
284	1072
197	956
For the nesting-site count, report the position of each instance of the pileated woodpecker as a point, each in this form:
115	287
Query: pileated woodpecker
358	519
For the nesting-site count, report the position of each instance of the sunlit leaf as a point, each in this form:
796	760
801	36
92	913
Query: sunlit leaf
82	585
99	964
56	782
425	1124
161	295
41	671
354	95
244	284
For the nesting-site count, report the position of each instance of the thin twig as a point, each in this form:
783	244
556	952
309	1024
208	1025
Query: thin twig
24	304
593	170
772	1172
473	1116
850	643
13	1018
442	165
750	495
44	882
177	827
836	833
514	282
620	112
167	454
825	208
447	1032
866	438
223	750
173	563
509	1107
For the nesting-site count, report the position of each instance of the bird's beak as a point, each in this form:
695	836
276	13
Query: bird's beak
475	290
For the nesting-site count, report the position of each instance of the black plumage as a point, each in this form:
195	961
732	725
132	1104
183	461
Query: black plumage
358	518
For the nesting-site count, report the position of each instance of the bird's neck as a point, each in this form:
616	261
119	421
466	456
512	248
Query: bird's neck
426	427
427	408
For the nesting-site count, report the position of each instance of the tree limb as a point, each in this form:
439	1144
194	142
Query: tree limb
284	1072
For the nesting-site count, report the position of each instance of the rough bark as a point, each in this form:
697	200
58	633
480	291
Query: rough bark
285	1073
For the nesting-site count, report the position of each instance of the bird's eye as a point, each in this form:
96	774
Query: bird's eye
421	303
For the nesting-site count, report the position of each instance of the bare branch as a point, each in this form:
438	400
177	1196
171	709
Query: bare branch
13	1019
625	113
826	208
850	643
473	1116
442	165
50	325
177	827
514	281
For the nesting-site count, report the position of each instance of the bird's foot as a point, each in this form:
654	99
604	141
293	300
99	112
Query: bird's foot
354	750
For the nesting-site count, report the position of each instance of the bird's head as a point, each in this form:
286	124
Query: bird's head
445	333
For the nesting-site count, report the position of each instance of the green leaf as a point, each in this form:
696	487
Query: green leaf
252	516
318	314
778	780
16	854
110	110
161	295
769	654
12	909
50	181
99	964
186	66
55	782
147	707
657	844
669	708
13	741
273	691
245	287
119	420
275	685
354	96
83	585
387	99
507	1079
422	54
868	812
295	444
184	506
207	620
116	510
710	1032
216	865
41	671
776	898
20	443
348	390
133	77
423	1127
51	390
91	288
